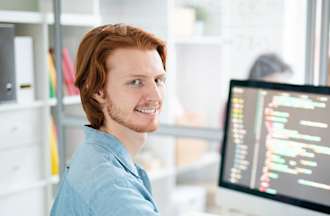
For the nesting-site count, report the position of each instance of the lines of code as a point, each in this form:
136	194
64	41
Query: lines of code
279	143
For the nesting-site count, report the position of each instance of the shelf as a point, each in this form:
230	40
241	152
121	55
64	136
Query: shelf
20	17
72	100
21	188
153	176
23	144
13	106
199	40
76	20
68	100
54	179
160	174
206	160
37	18
197	213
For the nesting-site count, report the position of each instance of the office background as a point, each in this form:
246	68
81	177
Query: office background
209	43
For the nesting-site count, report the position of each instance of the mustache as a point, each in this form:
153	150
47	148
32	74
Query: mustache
151	104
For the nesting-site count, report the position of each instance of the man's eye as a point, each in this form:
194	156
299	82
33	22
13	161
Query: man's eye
160	81
135	83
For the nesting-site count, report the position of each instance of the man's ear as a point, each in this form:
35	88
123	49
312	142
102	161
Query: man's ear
99	97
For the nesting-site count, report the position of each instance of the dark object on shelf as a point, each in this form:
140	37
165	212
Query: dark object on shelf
7	63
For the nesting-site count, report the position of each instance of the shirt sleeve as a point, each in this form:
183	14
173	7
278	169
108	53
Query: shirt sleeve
121	198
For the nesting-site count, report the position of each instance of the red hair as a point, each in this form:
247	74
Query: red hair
94	49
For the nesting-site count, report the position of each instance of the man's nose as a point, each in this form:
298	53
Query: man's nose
154	92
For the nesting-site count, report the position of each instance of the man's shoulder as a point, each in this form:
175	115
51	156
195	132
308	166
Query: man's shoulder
106	187
89	171
69	201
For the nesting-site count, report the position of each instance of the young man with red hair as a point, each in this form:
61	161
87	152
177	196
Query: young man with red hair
121	77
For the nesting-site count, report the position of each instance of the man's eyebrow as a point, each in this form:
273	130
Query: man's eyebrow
161	75
136	76
145	76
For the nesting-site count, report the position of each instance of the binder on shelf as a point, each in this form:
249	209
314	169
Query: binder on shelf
7	63
24	69
54	157
68	72
52	76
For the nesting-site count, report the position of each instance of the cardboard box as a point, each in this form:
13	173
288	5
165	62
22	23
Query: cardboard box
184	21
190	150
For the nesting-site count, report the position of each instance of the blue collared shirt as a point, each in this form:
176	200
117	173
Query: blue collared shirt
102	180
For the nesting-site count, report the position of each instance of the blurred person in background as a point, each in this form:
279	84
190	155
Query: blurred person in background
267	67
270	68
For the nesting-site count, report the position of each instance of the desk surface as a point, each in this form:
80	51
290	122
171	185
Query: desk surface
193	213
200	214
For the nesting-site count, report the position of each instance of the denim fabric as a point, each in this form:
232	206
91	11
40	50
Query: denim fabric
102	180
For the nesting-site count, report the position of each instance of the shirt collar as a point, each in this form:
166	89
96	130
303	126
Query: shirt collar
111	145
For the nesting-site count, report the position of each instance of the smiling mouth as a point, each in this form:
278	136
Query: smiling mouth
148	111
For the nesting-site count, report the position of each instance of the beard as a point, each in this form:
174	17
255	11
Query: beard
119	116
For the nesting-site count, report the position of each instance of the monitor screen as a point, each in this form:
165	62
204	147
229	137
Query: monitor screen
277	143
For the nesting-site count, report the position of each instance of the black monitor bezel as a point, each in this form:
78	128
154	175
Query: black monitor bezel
322	90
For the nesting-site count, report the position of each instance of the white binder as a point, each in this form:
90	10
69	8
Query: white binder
24	69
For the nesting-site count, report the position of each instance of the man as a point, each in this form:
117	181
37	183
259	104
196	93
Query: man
121	77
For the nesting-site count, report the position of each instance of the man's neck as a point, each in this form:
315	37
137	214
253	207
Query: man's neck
132	140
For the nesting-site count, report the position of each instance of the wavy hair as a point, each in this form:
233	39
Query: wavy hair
93	51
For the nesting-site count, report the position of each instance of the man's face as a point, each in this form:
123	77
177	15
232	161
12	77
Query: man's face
135	88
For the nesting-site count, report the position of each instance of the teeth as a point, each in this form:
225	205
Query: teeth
153	110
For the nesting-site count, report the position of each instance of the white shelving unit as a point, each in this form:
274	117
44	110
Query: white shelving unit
67	100
207	159
25	168
76	20
23	188
200	40
16	107
160	174
20	17
26	183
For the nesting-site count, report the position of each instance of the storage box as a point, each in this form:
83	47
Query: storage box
184	21
20	128
190	150
20	166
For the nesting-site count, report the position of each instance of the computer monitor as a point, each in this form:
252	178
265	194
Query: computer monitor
276	150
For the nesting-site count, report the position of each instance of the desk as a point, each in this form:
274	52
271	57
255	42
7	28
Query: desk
211	214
